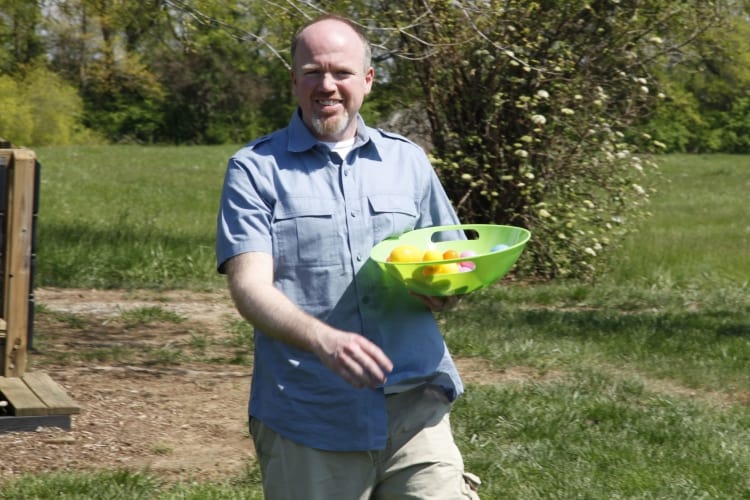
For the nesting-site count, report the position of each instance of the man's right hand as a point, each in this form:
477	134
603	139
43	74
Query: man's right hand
355	358
352	356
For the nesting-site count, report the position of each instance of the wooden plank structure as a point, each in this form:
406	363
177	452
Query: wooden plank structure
27	400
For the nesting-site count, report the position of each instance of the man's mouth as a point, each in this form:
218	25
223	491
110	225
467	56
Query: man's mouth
328	102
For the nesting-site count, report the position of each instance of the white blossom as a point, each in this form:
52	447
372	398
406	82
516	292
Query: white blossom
538	119
567	111
542	94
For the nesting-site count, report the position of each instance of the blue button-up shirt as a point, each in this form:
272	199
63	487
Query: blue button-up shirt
319	217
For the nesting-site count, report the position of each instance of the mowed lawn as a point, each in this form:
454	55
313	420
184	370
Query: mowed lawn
632	386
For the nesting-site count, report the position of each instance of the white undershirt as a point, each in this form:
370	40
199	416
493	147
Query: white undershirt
342	148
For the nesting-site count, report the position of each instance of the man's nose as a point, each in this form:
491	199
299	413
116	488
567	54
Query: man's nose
328	81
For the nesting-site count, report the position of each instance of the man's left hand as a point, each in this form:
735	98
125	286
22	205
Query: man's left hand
439	304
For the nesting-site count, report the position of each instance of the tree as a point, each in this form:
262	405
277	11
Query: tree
170	70
707	86
531	104
534	111
221	80
20	43
91	45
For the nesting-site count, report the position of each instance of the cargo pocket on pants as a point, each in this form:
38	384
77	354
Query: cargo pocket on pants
472	483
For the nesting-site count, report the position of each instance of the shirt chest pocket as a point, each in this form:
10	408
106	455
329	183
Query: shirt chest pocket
306	232
391	215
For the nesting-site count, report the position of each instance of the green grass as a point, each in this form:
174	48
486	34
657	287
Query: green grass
122	216
149	314
125	485
634	386
591	435
699	234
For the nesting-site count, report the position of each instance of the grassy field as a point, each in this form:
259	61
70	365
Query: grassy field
129	216
634	386
699	234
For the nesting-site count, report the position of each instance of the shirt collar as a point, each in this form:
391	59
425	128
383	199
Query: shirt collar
301	139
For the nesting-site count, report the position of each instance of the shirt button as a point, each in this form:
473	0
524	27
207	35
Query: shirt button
353	213
359	258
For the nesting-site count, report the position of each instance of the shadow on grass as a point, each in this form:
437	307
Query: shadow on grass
668	341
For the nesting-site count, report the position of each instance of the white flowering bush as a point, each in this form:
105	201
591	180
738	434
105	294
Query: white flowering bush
531	107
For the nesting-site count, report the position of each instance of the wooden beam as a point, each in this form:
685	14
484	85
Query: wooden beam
19	235
51	394
22	399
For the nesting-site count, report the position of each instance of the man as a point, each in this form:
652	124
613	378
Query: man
352	381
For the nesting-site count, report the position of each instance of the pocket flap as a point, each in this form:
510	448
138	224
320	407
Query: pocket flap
390	203
304	207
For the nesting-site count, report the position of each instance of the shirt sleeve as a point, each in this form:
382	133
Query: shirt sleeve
244	219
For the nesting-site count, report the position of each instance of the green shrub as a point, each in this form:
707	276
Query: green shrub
16	124
39	108
529	111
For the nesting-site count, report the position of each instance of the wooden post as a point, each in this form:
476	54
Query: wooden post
20	175
27	400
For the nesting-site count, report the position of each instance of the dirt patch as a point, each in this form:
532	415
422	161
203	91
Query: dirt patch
180	419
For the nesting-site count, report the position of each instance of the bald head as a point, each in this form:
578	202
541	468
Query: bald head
334	22
331	75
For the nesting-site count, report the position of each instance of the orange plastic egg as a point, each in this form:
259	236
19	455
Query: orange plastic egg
451	254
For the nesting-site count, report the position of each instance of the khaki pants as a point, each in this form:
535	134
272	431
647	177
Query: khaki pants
420	461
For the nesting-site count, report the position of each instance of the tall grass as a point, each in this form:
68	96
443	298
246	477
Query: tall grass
634	386
132	216
699	234
129	216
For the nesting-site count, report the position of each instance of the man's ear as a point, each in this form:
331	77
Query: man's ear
369	78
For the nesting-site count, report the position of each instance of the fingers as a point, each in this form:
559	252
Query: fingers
451	302
365	363
360	362
440	304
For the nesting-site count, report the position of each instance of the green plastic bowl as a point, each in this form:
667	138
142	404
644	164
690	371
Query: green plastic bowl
489	265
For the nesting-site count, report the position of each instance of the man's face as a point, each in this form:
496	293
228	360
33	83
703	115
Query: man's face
330	80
